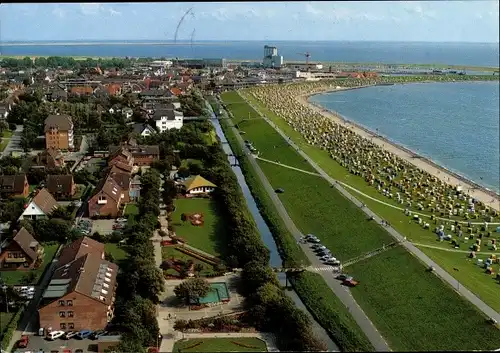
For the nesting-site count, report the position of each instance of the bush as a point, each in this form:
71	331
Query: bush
9	330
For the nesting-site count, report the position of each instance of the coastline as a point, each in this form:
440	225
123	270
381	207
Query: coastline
475	190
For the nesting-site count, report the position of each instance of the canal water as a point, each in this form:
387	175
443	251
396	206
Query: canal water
266	235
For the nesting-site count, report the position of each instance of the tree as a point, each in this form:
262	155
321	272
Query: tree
255	275
128	343
198	268
192	289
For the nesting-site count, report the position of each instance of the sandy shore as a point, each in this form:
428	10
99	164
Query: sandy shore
476	191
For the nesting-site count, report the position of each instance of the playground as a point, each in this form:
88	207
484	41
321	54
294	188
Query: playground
219	293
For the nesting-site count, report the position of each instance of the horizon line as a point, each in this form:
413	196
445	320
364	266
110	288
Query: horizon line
231	40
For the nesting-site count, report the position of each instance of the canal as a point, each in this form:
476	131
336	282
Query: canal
266	235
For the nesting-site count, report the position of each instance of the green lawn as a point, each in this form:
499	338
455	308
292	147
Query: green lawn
80	188
237	344
131	209
16	277
5	320
397	218
210	237
118	253
414	310
169	252
3	144
469	274
7	134
185	162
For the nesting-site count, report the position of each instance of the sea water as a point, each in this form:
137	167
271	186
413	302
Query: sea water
454	124
472	54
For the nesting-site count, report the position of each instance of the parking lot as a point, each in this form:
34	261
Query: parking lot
39	343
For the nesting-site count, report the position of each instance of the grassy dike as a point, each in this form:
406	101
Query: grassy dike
326	308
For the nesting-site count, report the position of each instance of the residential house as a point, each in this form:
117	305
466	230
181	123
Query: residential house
22	252
82	90
122	174
57	94
81	292
14	186
166	119
101	92
142	155
50	158
196	186
106	199
143	129
176	91
121	155
114	89
41	206
63	187
59	132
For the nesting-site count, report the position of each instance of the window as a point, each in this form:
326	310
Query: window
62	314
9	255
70	314
15	255
71	326
69	303
61	303
63	326
25	264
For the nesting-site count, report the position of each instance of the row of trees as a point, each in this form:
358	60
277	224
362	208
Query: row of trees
65	62
193	104
140	280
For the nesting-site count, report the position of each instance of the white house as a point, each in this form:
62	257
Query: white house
197	186
40	206
166	119
144	129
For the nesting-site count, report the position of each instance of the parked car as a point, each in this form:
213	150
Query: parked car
327	258
79	350
83	334
70	334
55	335
279	191
333	261
23	342
122	220
341	277
316	246
118	226
314	240
98	334
321	248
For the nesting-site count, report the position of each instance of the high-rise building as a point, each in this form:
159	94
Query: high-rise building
271	57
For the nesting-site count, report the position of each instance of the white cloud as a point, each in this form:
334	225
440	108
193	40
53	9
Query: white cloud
113	12
418	10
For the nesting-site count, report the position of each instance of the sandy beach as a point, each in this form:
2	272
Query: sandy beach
476	191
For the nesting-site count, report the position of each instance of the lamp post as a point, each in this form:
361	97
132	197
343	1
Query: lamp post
158	341
4	287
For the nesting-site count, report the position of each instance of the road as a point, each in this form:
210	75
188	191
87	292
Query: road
340	291
486	309
14	142
28	322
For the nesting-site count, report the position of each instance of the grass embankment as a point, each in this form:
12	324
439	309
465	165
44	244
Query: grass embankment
396	217
131	209
380	306
118	253
11	278
330	313
310	201
208	237
414	310
236	344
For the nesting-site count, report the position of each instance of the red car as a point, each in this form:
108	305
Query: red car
23	342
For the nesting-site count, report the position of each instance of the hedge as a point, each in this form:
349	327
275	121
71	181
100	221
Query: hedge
9	331
330	312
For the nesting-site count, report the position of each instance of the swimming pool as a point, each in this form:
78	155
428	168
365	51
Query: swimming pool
218	293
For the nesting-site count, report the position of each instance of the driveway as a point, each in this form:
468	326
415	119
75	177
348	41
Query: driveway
103	226
14	144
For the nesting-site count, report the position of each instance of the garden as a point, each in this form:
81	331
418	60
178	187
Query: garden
237	344
31	276
180	260
208	237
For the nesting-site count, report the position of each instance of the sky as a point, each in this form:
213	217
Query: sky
427	21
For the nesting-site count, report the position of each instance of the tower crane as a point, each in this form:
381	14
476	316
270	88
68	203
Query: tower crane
307	55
